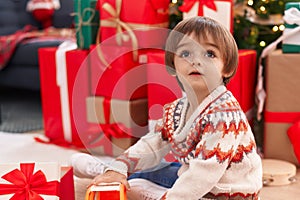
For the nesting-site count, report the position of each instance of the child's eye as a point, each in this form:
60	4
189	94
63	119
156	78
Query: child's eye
210	54
185	54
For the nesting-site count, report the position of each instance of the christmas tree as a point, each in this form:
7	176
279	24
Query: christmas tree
257	23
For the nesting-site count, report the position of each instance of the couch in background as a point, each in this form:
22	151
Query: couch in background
22	69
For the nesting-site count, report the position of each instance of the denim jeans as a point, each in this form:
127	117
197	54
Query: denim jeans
165	174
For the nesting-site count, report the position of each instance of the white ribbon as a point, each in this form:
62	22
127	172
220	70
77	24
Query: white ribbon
292	16
62	82
260	91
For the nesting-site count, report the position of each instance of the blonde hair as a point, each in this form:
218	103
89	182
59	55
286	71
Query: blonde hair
202	27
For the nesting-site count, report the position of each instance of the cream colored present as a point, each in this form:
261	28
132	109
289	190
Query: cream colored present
34	179
219	10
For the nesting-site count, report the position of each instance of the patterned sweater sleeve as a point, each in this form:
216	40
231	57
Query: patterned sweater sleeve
146	153
220	137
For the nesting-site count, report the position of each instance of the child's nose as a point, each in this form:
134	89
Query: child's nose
196	62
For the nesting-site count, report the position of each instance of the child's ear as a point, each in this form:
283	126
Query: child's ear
227	74
227	77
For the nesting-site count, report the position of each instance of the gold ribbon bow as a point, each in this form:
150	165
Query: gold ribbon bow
116	22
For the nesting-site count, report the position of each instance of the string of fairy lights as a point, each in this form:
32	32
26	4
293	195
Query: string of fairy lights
265	18
262	16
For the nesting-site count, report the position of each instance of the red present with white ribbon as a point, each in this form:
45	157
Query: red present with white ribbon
219	10
36	181
64	88
65	85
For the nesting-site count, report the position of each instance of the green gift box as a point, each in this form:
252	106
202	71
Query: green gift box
86	22
291	44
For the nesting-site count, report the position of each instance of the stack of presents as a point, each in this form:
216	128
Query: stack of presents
104	90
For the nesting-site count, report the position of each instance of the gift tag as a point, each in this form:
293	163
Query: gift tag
278	172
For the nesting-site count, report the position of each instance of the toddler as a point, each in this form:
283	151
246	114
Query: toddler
207	131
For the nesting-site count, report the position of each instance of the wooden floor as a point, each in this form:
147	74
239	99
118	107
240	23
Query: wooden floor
288	192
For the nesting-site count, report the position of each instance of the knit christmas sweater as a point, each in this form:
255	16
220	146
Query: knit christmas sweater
215	146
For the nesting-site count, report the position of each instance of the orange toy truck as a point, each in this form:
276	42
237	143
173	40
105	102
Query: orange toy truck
107	191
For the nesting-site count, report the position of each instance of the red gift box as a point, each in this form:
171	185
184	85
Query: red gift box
66	186
65	117
63	91
32	181
123	79
220	10
141	23
162	87
242	85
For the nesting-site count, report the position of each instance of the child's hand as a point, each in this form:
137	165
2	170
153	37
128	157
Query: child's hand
109	177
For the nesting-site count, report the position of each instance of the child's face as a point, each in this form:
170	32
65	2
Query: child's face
199	64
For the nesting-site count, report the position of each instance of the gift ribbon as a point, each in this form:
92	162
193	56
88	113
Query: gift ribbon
27	185
116	130
99	51
62	82
116	22
281	117
291	17
188	4
294	136
82	23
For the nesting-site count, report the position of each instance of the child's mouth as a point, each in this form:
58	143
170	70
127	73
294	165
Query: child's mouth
195	73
